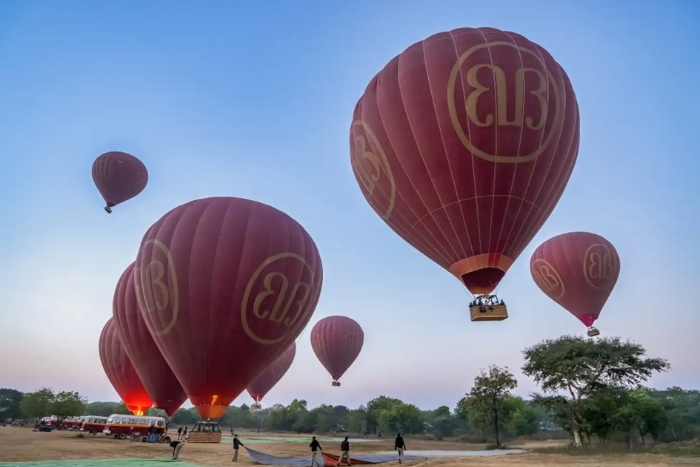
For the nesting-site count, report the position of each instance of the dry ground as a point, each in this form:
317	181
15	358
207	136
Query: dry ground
23	444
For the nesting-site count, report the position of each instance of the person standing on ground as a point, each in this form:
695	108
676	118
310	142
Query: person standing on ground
236	444
184	433
177	446
345	451
399	446
315	446
179	433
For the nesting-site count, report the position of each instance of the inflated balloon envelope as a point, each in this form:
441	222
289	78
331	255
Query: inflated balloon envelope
225	285
463	145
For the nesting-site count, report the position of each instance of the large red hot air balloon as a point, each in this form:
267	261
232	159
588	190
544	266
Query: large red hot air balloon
272	375
463	144
578	270
118	177
337	342
157	377
121	372
225	286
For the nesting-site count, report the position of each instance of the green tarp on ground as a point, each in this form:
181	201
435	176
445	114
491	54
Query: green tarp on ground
100	463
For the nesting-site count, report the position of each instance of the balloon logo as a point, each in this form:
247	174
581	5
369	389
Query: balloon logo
279	302
544	91
369	162
600	267
157	289
547	278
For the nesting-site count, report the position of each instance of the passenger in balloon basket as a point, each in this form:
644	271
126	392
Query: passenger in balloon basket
177	446
345	451
315	447
236	444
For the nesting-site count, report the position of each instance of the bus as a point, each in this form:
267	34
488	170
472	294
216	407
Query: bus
122	426
93	424
70	423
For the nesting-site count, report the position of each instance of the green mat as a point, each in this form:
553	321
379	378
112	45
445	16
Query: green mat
100	463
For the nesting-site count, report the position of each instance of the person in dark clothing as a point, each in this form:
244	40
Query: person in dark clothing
345	451
184	433
236	444
176	445
399	446
179	433
315	446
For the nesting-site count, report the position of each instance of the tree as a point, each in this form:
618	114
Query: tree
525	419
580	367
184	417
102	409
401	418
10	400
375	407
38	404
486	402
68	404
120	409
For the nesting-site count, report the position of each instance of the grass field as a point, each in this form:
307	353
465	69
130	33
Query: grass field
22	444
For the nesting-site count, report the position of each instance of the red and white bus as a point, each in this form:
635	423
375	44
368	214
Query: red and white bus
70	423
49	421
93	424
122	426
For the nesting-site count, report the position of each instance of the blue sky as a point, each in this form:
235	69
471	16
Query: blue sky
255	100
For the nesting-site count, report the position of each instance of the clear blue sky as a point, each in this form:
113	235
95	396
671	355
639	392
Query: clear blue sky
255	100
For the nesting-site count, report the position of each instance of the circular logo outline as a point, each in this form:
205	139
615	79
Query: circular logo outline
555	273
457	125
173	295
586	257
251	283
358	168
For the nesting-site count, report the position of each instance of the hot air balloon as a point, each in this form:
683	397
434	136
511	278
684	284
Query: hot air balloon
578	270
157	377
118	177
271	376
121	372
463	145
337	341
225	285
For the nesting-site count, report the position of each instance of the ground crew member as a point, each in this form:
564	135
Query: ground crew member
315	446
176	445
236	444
179	433
345	451
399	446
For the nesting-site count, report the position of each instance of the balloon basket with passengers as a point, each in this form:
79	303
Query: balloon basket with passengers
205	432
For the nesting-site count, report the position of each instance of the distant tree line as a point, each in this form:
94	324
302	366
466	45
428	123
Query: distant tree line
591	390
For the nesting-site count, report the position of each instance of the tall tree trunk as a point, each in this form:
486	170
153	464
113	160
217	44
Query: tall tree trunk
495	427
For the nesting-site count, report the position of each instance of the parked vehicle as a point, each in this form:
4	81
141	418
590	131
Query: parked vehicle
123	426
93	424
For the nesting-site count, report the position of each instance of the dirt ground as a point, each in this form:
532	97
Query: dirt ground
23	444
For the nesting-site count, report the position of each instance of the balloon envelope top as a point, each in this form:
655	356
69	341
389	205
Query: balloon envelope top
121	372
225	286
463	145
578	270
119	177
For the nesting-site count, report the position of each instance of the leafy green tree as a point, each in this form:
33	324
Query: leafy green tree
102	409
525	418
401	418
184	417
38	404
579	367
487	401
68	404
356	420
120	409
375	407
10	400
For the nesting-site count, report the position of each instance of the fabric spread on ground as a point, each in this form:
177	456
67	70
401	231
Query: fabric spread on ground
326	460
98	463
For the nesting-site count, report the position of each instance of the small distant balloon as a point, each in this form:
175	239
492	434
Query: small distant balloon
337	342
118	177
578	270
121	372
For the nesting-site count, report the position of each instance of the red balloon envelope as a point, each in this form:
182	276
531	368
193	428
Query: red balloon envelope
118	177
272	374
153	370
578	270
463	144
225	286
337	341
121	372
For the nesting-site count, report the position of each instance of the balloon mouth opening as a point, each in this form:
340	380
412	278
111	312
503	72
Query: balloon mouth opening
483	281
110	204
587	319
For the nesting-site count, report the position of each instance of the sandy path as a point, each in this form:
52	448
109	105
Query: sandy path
22	444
